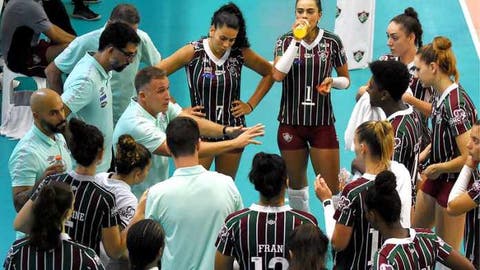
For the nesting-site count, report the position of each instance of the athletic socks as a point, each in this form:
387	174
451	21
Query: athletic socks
298	199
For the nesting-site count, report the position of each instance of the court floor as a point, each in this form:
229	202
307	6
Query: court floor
171	24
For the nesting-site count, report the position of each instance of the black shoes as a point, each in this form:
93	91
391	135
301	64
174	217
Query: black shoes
85	13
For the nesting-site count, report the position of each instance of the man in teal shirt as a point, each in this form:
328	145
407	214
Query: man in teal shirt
147	117
122	82
33	158
87	93
192	204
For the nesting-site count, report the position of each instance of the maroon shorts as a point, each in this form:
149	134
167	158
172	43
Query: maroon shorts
225	138
439	189
295	137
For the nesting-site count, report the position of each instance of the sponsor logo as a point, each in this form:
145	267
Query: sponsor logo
358	55
127	212
103	98
363	16
459	117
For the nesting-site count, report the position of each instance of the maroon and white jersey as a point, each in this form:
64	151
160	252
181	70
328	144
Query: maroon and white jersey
68	256
426	94
94	208
453	114
257	236
365	240
301	104
421	250
471	237
407	136
215	83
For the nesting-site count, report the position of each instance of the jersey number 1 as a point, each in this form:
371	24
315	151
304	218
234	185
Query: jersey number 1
258	261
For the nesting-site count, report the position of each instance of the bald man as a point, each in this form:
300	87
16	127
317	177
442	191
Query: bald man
34	156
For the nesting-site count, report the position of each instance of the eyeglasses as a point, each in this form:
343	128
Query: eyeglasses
129	55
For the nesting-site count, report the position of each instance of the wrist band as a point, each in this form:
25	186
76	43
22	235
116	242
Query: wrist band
224	130
340	82
285	63
327	202
250	105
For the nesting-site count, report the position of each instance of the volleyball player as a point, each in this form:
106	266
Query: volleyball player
257	236
48	246
465	197
352	236
404	248
452	117
95	216
213	67
132	163
389	81
306	116
404	37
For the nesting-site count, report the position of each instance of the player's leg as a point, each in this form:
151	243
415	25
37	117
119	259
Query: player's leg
227	163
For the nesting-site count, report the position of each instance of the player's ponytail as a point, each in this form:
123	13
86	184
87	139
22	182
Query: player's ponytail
230	15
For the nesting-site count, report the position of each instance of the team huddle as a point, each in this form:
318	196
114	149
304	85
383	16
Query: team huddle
91	181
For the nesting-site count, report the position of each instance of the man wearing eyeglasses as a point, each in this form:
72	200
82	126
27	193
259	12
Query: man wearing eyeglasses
122	82
87	93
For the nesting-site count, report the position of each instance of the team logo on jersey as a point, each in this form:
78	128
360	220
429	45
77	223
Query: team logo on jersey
358	55
323	56
363	16
287	137
384	266
343	203
459	116
396	143
103	97
339	11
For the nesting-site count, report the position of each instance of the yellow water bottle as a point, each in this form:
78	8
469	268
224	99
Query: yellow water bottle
300	31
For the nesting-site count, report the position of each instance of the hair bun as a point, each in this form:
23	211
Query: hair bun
441	43
386	182
410	11
126	143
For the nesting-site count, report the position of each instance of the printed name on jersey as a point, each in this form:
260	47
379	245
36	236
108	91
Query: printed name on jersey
270	248
287	137
78	216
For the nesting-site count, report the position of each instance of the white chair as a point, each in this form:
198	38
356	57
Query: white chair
17	117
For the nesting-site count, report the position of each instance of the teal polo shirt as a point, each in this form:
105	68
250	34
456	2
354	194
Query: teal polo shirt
191	206
33	154
149	131
122	83
88	95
